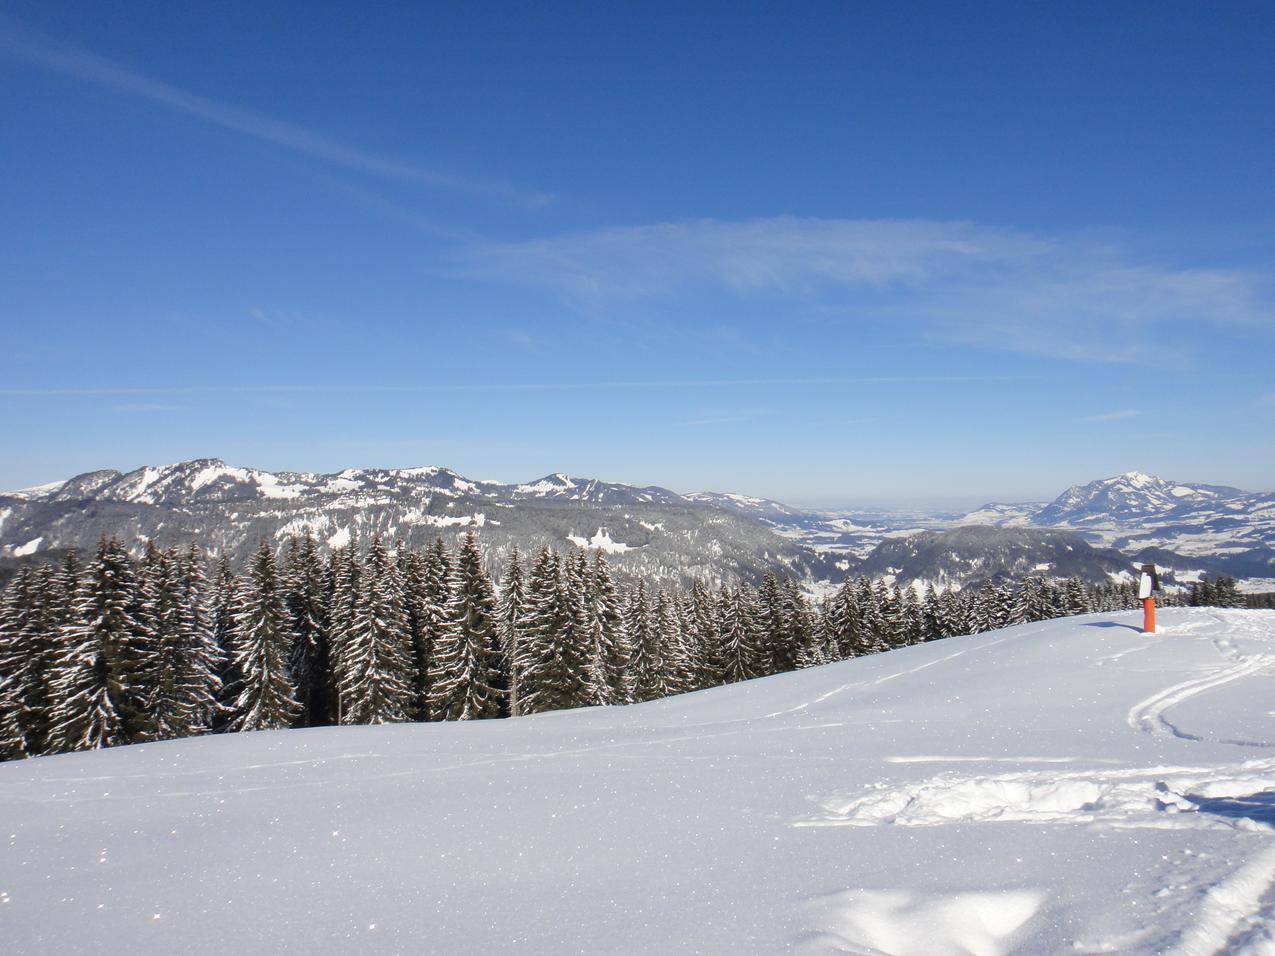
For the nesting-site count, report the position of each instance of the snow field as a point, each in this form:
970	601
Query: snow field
1072	786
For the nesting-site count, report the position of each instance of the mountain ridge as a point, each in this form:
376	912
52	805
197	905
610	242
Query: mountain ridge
1192	529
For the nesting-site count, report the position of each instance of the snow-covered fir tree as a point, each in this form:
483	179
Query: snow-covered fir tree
510	609
182	668
610	637
467	680
436	565
376	680
646	661
263	642
741	635
307	588
98	703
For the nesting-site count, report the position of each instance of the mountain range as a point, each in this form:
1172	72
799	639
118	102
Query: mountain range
1095	531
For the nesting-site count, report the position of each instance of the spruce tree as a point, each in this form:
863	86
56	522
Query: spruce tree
343	604
675	673
224	610
436	572
376	678
704	637
201	674
97	701
609	638
263	643
741	637
777	653
554	660
510	611
466	674
646	663
15	609
306	598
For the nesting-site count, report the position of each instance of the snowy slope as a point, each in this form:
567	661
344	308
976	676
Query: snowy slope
225	509
1064	787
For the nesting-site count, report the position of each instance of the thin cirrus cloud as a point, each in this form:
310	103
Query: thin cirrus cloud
81	64
1116	416
498	387
1059	295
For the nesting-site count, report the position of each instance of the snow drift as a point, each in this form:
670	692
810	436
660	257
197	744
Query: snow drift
1070	786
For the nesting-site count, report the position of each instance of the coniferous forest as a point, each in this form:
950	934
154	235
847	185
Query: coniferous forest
112	649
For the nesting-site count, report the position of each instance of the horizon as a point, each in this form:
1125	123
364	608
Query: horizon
828	256
934	505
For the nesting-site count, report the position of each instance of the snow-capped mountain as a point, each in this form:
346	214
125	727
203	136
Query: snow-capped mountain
1132	512
1191	529
223	508
1134	496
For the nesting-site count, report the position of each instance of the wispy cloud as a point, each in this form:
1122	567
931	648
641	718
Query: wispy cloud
1115	416
67	60
446	388
722	420
1057	295
142	408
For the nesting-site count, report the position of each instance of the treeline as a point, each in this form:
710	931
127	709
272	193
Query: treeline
121	650
1218	592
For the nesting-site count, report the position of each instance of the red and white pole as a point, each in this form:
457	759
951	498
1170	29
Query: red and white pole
1148	584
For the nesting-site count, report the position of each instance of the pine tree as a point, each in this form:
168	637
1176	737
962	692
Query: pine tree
704	637
306	588
610	637
839	621
1075	597
224	611
15	609
436	572
343	605
172	711
675	672
510	611
741	637
465	678
201	680
646	664
777	655
585	629
263	642
97	702
375	683
553	662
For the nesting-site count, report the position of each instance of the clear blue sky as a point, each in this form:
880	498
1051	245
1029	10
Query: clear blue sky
843	252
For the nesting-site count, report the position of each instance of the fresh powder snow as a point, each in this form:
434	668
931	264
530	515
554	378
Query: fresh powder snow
1072	786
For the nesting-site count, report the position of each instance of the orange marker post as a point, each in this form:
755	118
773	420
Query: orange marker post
1148	584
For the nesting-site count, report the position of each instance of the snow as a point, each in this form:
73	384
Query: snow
1073	786
37	491
552	485
600	540
209	474
270	486
31	547
339	538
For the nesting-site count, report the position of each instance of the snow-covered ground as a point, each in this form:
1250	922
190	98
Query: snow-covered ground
1070	787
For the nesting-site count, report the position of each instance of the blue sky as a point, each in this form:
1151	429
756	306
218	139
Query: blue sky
829	253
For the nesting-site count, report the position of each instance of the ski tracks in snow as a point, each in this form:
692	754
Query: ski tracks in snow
1149	715
1235	914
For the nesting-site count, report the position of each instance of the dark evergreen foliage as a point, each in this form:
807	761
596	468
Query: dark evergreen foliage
130	649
